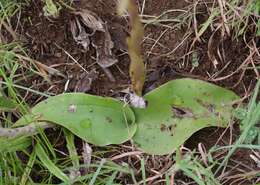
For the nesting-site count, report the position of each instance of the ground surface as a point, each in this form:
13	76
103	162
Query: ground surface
169	54
166	51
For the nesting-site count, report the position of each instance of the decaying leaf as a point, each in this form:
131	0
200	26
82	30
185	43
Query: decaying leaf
213	46
43	70
137	68
88	28
46	69
119	33
91	20
103	44
85	24
79	34
85	81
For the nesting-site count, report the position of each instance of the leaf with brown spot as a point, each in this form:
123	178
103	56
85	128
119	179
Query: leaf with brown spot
180	112
97	120
85	80
173	114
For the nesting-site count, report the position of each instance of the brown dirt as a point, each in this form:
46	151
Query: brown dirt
46	40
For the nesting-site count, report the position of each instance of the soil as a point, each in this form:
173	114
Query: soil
48	40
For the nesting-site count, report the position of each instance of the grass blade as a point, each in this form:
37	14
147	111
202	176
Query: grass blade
42	155
143	171
93	180
111	179
28	168
71	147
253	116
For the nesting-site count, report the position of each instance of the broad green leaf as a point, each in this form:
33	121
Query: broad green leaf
97	120
178	109
14	144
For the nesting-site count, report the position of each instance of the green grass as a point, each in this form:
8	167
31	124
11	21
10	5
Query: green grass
11	166
12	72
249	122
236	15
20	164
192	166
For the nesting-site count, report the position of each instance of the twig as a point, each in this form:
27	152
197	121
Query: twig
109	74
10	30
247	60
26	130
126	154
